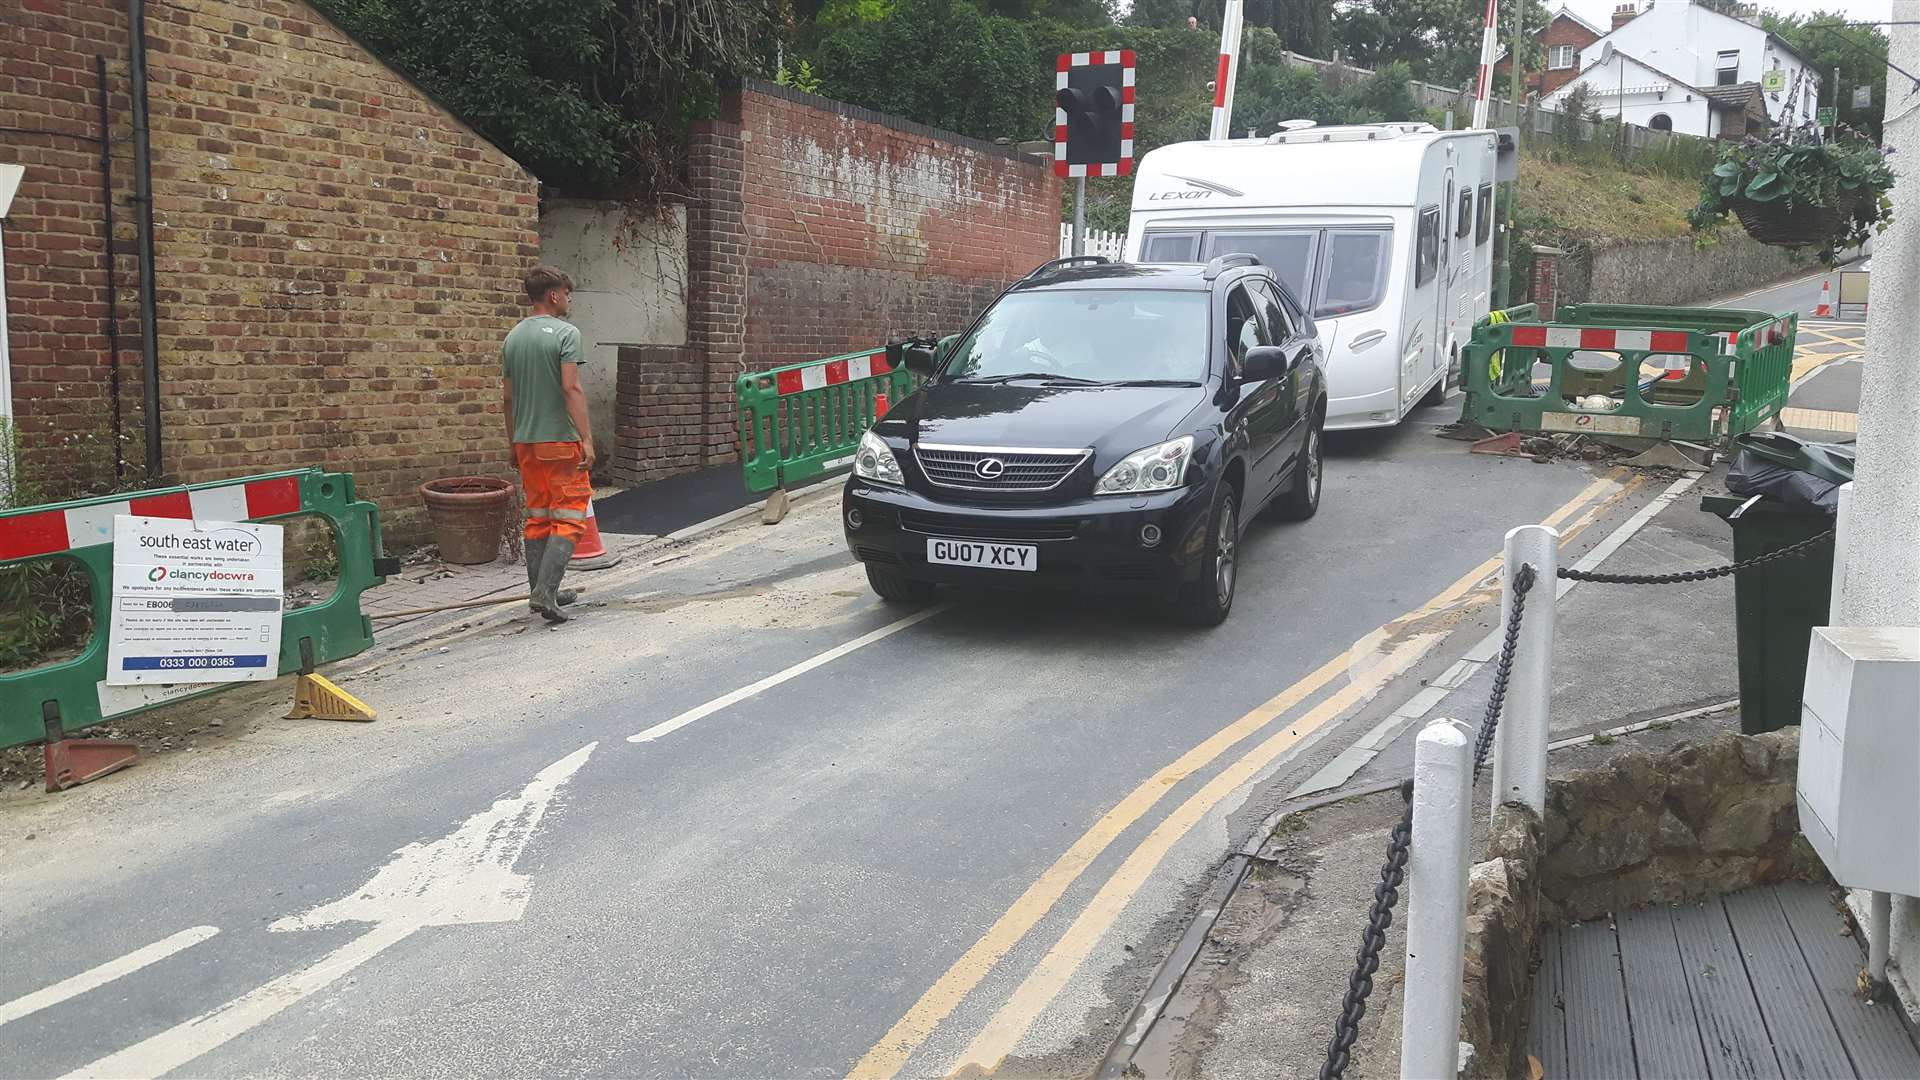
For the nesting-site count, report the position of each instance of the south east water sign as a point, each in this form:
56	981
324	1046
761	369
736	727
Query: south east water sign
194	601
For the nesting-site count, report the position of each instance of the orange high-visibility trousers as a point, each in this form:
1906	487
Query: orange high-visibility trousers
558	489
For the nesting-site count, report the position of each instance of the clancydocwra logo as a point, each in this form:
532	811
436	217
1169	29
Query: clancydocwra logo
158	573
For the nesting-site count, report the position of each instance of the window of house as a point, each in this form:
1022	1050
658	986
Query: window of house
1727	68
1661	122
1483	221
1559	57
1426	252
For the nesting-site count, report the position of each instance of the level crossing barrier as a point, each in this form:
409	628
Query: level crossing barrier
46	702
1697	375
805	421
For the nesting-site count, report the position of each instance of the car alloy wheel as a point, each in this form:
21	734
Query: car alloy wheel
1224	546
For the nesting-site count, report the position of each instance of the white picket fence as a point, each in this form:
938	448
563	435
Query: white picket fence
1099	242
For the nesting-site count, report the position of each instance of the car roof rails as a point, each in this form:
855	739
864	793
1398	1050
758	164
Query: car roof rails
1221	264
1046	268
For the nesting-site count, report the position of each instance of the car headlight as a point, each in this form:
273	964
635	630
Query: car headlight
875	461
1157	468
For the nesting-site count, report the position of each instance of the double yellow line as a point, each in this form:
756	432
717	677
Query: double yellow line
1012	1021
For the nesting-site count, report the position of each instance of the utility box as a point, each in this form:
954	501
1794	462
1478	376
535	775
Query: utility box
1859	782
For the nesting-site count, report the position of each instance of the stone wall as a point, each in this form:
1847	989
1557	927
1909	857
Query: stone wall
337	257
1672	272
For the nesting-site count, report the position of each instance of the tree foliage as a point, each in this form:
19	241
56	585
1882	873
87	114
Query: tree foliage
1859	52
593	95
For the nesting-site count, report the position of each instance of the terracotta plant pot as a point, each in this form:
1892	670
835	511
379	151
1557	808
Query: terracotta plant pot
469	515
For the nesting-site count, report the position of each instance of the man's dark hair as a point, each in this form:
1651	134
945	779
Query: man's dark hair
543	279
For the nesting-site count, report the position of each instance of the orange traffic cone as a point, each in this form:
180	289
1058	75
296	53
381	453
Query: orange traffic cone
880	405
591	553
1825	310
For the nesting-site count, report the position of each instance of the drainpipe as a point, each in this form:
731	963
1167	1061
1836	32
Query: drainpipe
143	219
113	282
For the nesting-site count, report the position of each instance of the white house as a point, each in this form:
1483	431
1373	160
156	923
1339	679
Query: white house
1631	89
1716	53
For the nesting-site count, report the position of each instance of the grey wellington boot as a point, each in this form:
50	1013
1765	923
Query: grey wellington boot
535	552
546	589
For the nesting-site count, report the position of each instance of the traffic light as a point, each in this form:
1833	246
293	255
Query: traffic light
1093	118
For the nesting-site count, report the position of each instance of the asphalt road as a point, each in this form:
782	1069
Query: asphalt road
965	827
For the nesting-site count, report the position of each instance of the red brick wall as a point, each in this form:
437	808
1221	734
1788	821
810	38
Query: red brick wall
336	257
1561	31
818	228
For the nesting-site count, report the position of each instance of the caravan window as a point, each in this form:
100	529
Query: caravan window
1170	247
1289	254
1353	276
1463	218
1484	222
1426	249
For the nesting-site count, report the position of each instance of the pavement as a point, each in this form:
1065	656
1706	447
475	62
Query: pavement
738	819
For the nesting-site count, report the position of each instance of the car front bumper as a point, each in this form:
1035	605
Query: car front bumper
1090	545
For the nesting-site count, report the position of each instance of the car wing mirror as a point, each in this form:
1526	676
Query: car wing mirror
1264	362
916	355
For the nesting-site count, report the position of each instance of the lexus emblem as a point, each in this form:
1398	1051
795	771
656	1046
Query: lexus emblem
990	468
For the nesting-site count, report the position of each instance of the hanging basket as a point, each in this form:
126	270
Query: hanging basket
1780	224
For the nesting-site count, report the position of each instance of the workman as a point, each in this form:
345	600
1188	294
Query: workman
546	411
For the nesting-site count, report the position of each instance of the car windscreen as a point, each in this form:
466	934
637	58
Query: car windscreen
1100	335
1354	272
1289	253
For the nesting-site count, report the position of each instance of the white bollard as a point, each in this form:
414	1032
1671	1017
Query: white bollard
1520	743
1437	910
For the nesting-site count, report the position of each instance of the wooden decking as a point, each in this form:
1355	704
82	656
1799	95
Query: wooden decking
1756	984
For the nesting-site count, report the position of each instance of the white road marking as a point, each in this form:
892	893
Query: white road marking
466	876
93	978
1356	757
668	727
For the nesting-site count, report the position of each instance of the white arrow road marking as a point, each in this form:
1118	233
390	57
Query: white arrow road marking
94	978
464	877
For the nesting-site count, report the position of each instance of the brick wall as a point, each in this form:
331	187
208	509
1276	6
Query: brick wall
56	238
336	257
820	228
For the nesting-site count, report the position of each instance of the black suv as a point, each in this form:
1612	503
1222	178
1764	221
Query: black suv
1106	427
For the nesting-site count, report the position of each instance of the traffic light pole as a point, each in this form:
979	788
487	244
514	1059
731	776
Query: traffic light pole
1080	216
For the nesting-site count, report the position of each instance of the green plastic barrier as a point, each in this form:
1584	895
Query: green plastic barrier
1733	369
804	421
68	695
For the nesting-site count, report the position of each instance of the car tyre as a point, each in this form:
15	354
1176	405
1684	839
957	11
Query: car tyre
1302	499
1436	394
1208	601
897	588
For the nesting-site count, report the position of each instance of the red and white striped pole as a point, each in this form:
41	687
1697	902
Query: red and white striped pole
1484	88
1229	72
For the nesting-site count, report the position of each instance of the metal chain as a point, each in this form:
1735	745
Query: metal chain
1788	552
1386	894
1497	697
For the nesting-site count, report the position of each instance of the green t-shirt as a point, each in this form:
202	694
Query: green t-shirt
531	358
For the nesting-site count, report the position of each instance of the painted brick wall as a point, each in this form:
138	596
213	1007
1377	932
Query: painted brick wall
337	258
819	228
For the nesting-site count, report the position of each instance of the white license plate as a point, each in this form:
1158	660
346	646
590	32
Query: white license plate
990	556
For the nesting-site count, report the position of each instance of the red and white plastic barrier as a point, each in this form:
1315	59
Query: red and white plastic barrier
52	531
831	373
1659	341
1229	73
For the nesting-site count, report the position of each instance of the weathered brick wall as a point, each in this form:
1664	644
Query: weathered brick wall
1561	31
56	238
819	228
337	258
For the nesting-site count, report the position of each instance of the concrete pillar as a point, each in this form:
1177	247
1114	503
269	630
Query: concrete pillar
1520	742
1882	541
1437	866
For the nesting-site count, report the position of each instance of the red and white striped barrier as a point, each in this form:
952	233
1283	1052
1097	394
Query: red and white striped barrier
1230	20
1484	87
831	373
1659	341
49	532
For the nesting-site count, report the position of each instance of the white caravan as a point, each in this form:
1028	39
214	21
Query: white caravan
1383	231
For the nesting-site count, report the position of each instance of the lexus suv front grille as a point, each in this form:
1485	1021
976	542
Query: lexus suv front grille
988	469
